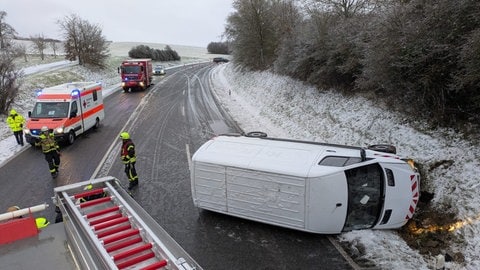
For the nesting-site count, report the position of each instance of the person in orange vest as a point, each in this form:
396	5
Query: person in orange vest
128	157
16	121
50	149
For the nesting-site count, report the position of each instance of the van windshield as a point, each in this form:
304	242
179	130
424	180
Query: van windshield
50	110
365	196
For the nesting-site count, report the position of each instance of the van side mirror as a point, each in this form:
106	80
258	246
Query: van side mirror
73	114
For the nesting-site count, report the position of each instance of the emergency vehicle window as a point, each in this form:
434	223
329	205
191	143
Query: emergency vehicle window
74	108
94	95
38	110
131	69
58	109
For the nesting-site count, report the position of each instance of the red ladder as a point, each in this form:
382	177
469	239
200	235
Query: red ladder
118	233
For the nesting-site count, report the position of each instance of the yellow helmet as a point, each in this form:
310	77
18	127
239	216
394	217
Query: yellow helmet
124	135
41	222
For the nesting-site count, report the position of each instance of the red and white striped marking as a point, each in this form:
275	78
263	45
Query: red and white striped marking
415	196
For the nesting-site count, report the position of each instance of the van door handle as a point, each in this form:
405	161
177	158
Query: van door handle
339	204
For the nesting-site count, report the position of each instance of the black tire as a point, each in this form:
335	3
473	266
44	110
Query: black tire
97	124
385	148
256	134
71	137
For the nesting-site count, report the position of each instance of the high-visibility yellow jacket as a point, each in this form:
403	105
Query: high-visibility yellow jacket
15	121
47	142
128	152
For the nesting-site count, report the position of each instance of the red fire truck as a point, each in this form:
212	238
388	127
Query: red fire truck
136	74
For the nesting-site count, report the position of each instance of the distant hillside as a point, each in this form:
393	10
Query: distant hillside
122	48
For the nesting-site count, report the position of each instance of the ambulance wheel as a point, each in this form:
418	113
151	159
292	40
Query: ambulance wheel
71	137
97	124
256	134
385	148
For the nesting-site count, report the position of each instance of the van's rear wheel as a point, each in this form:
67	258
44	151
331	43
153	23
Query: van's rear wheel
385	148
71	137
256	134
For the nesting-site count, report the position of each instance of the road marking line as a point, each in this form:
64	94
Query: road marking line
350	261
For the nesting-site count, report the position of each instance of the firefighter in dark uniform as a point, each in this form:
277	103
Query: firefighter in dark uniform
50	149
128	157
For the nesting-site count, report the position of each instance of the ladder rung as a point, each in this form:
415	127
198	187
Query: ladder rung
89	193
133	251
109	223
123	244
101	220
155	265
114	230
95	202
120	236
136	260
102	212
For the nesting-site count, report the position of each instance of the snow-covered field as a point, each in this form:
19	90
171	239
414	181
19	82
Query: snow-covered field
286	108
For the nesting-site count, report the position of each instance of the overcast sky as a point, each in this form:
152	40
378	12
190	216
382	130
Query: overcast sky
173	22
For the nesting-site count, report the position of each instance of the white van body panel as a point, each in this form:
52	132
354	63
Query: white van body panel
280	182
327	203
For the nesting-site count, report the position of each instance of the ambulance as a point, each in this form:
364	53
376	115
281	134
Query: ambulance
68	110
308	186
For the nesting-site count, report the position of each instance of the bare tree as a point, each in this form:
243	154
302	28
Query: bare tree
345	8
84	41
39	45
6	31
8	80
54	46
21	51
252	33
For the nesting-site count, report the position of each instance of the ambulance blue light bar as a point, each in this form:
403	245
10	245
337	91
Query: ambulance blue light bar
75	93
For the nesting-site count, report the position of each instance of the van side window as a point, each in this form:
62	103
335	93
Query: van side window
95	95
339	161
74	108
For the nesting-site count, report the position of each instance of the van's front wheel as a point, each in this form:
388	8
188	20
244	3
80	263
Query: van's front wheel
97	124
71	137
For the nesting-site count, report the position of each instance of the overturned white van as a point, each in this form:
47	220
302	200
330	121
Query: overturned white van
308	186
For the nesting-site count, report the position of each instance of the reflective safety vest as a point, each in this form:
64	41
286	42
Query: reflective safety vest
128	152
15	121
47	142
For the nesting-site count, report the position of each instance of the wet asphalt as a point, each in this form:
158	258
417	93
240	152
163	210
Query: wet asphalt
167	123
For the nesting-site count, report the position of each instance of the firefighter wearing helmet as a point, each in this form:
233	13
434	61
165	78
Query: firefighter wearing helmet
128	157
50	149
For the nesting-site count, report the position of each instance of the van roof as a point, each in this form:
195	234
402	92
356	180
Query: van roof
296	158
